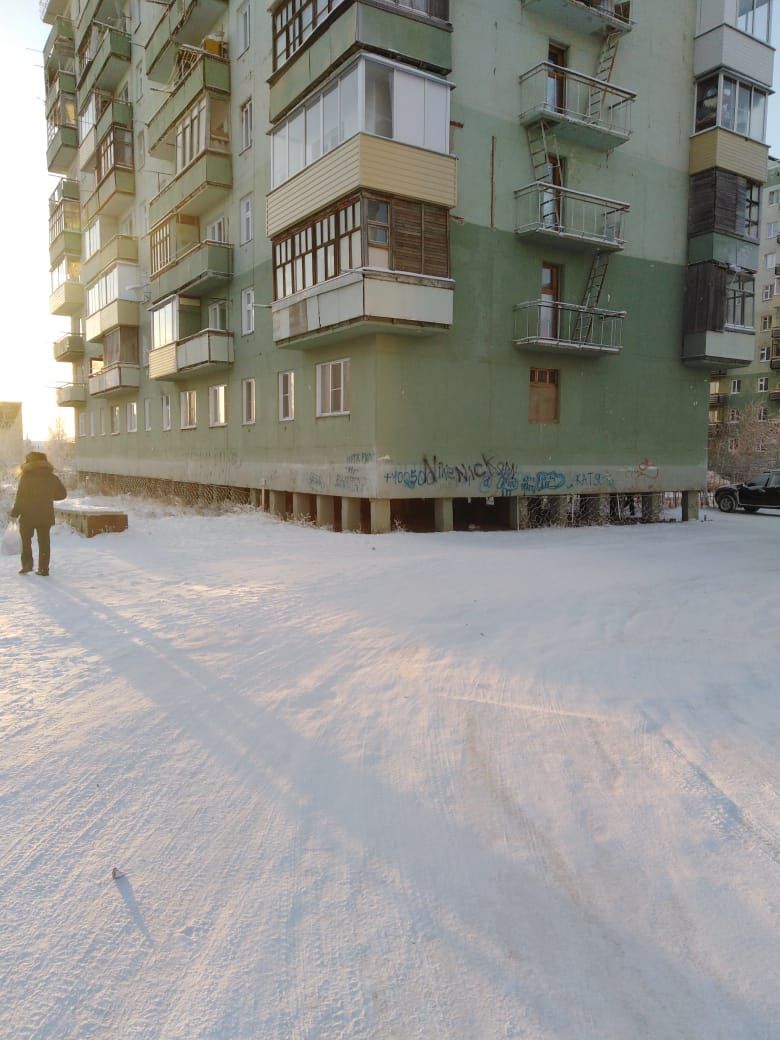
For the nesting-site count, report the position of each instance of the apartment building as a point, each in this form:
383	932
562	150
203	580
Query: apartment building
415	260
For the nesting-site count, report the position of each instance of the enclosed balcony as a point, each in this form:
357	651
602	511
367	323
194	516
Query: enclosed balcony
202	73
567	328
774	395
114	381
586	16
774	363
547	213
64	222
583	110
116	249
105	62
733	347
210	350
71	395
183	22
67	295
204	268
61	85
62	147
198	188
124	314
69	348
51	9
59	49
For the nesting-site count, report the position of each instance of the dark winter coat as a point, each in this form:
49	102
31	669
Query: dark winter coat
39	487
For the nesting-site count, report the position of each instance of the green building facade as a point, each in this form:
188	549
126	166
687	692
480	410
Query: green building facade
373	260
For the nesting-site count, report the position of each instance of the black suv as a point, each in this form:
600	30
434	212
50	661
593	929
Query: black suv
762	492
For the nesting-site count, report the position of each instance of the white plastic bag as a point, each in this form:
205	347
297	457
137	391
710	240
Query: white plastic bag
11	545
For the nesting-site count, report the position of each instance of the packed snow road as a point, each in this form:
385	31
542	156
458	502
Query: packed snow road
447	787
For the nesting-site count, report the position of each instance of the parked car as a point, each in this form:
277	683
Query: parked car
762	492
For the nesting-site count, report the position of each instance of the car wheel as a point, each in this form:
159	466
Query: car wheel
727	504
750	509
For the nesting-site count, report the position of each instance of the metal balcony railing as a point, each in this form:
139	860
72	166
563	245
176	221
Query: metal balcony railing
586	14
548	210
568	327
560	94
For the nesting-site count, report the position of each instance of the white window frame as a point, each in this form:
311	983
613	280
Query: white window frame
245	113
762	415
762	386
773	197
131	417
245	223
217	230
736	386
767	292
92	424
103	428
244	27
217	315
286	393
188	409
771	230
218	405
770	261
766	322
165	406
147	414
333	388
248	402
248	311
113	417
763	354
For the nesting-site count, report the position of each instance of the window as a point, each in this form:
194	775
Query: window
216	230
165	324
333	388
767	292
734	415
372	96
753	18
92	424
115	150
160	247
543	399
113	415
762	386
773	197
104	291
218	315
733	444
550	297
102	422
771	230
286	396
245	209
67	270
92	239
131	417
218	405
246	124
762	414
763	354
736	386
722	100
247	311
188	407
147	415
740	300
191	135
770	261
244	28
247	401
82	424
165	402
766	322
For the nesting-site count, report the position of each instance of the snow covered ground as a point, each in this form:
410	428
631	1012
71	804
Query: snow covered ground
447	787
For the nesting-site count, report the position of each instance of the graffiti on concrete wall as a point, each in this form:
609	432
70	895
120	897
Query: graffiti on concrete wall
489	475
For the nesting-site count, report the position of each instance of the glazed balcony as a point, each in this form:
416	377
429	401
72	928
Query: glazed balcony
59	49
61	83
117	314
183	22
732	347
115	381
64	222
71	395
63	148
545	213
52	9
210	74
583	110
361	302
305	53
567	328
69	348
110	112
586	16
118	249
196	190
207	351
109	66
113	195
67	299
203	269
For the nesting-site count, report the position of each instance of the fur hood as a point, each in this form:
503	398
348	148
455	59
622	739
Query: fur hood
37	464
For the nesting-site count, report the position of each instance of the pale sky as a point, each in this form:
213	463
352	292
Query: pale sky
28	372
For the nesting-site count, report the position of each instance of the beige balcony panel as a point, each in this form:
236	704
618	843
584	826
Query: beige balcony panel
71	395
195	190
114	381
111	197
728	151
69	348
67	300
121	248
207	351
369	162
727	47
120	312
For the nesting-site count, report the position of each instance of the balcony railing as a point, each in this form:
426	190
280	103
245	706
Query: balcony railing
774	363
544	211
106	61
568	328
59	43
774	395
50	9
71	395
716	400
207	350
588	111
586	15
182	22
117	379
209	73
196	188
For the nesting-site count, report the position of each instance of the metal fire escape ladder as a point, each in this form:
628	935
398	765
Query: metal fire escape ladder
606	64
543	147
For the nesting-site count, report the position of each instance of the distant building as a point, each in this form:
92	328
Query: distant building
297	259
11	433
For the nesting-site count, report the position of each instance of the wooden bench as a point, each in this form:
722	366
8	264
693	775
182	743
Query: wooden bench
91	520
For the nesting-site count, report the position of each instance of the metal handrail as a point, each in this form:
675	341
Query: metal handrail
543	206
588	100
557	323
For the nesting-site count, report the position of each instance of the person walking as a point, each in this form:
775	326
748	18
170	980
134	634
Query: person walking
39	487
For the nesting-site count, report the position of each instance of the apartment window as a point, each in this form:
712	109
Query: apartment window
244	27
740	289
770	261
392	234
543	395
773	197
92	424
113	416
771	230
102	422
218	405
736	386
720	200
762	414
165	324
286	396
115	150
766	322
247	311
188	407
165	402
767	292
762	385
763	354
722	100
218	315
373	96
333	388
246	124
82	424
131	417
92	239
67	270
245	210
216	230
753	18
147	415
247	401
104	291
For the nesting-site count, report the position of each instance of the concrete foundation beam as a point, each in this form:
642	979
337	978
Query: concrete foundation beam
595	509
690	505
651	508
326	511
277	503
442	514
519	514
350	514
380	516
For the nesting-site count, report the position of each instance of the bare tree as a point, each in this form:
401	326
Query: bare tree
746	446
59	446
